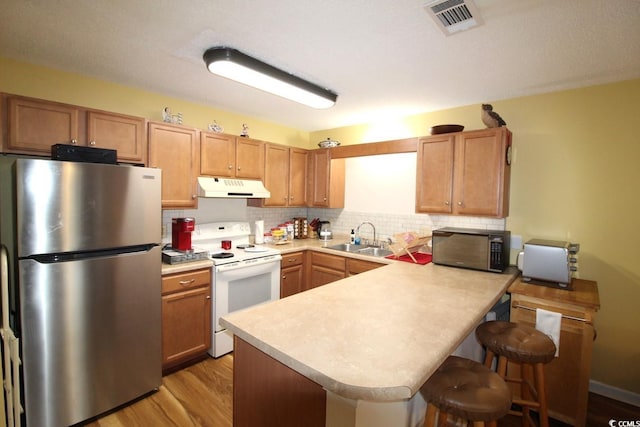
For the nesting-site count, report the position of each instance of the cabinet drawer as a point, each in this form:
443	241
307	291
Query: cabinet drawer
330	261
187	280
289	260
355	266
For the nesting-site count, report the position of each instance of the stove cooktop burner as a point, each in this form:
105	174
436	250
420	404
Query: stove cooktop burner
222	255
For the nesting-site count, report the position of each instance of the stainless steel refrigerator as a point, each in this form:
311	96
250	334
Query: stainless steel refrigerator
83	243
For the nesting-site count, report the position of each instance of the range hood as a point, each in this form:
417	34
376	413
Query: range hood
231	188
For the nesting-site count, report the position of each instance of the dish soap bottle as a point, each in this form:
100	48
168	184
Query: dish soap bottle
353	236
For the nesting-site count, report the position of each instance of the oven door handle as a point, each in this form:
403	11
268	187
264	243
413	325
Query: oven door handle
248	263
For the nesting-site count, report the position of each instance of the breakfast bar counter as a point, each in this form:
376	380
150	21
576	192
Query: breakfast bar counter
373	337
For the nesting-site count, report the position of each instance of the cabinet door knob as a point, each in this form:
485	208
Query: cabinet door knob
230	166
92	143
284	276
74	141
459	203
446	203
208	297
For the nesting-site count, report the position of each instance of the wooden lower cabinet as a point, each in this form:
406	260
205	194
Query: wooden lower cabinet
186	316
357	266
325	268
292	274
567	376
268	393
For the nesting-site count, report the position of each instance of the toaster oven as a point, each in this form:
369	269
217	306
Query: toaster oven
548	262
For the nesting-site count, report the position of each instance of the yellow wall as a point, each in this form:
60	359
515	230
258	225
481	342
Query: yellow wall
29	80
576	177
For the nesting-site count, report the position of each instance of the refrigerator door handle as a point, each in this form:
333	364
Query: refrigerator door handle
75	256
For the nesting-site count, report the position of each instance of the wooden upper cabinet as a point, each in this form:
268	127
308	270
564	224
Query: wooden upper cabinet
249	158
434	184
276	175
298	166
217	154
34	125
229	156
285	176
326	178
482	173
125	134
466	173
174	149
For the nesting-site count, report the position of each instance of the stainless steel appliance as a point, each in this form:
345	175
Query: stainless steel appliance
83	243
548	262
486	250
243	276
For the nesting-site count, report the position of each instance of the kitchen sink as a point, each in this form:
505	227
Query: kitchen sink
347	247
361	249
373	251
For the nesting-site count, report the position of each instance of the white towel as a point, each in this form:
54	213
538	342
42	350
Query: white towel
548	322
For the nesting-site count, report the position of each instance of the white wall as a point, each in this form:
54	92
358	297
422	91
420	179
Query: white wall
384	184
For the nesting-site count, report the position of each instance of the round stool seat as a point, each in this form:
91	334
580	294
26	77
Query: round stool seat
468	390
516	342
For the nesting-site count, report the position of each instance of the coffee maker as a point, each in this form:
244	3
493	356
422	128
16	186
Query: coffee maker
181	229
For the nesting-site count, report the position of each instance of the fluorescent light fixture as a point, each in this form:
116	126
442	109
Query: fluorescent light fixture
235	65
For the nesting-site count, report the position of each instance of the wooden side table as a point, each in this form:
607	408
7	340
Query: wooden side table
568	374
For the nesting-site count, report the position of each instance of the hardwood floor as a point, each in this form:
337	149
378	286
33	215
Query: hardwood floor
201	395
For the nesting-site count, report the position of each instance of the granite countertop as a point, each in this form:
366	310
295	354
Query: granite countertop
375	336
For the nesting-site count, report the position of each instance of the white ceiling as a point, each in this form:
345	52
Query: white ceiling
382	57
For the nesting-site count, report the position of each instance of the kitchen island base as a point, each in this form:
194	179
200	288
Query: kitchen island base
267	393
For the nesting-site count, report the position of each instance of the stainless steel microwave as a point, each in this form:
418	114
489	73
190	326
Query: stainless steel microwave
486	250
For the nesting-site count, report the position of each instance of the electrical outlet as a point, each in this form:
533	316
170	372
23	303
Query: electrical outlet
516	242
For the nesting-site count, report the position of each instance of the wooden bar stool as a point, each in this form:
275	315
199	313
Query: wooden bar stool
465	390
529	348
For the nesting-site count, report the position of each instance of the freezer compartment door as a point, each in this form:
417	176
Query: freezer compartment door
91	335
71	207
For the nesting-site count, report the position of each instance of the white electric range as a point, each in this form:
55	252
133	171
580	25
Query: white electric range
243	276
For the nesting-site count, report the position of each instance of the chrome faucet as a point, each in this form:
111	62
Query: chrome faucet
372	226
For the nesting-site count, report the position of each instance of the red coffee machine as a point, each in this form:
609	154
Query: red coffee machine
181	229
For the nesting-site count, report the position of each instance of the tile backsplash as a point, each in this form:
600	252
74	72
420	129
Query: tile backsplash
342	221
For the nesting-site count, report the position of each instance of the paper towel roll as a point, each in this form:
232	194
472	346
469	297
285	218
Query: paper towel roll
259	232
549	322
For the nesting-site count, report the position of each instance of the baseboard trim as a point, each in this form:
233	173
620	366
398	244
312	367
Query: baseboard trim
614	393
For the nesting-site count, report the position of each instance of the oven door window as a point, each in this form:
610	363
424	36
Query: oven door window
248	291
241	287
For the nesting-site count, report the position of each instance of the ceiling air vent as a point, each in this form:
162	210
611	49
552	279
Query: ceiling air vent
452	16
